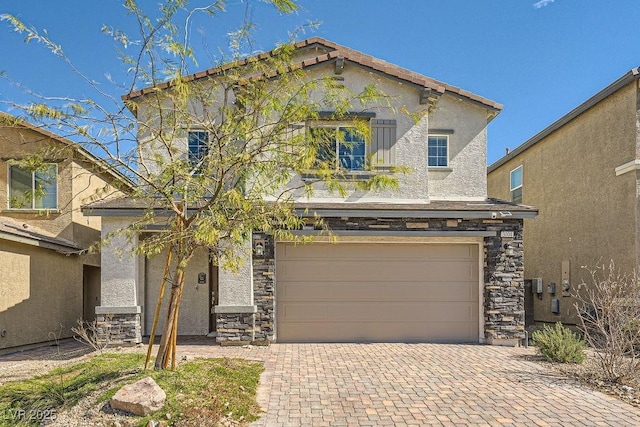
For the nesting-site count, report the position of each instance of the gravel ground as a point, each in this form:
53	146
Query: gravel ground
629	392
88	412
33	362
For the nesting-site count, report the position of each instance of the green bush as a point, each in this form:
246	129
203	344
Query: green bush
559	344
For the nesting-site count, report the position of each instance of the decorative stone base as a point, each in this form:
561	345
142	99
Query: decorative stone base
504	342
235	328
118	325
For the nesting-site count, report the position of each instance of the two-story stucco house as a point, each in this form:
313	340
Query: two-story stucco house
582	173
434	261
47	279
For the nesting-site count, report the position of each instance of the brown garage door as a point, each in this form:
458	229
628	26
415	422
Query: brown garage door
377	292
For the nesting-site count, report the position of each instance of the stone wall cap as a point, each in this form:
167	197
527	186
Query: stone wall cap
235	309
118	310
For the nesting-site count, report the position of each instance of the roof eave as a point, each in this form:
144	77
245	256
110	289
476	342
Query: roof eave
628	77
332	50
45	244
399	213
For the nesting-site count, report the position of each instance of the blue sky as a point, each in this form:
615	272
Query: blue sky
538	58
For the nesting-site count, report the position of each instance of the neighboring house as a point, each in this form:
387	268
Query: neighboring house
583	173
435	261
47	280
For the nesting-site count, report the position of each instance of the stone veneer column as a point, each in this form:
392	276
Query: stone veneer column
264	270
118	318
504	288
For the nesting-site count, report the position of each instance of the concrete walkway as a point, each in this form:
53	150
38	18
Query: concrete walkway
397	385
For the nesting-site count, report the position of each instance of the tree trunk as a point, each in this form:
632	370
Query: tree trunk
156	315
170	331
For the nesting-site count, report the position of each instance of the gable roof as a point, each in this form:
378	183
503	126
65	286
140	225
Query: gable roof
628	77
331	52
9	121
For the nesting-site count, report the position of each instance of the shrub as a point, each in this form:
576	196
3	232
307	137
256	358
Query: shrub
608	309
559	344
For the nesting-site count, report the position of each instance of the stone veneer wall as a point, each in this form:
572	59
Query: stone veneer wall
235	328
119	329
264	272
504	314
504	318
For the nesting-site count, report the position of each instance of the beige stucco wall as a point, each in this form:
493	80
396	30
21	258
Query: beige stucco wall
587	214
120	267
40	300
464	179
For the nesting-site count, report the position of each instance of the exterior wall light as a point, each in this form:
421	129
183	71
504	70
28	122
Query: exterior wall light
258	248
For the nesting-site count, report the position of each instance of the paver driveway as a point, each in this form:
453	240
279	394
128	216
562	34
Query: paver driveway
422	384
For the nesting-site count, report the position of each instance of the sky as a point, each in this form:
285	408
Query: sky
540	59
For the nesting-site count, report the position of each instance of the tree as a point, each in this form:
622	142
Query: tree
238	173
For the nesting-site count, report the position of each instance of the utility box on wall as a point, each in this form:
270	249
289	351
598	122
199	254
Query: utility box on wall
566	279
536	285
555	306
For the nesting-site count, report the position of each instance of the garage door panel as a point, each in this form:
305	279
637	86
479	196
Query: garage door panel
401	252
378	311
378	291
379	270
442	332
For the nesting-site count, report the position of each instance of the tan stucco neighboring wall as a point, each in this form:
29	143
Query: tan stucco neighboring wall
76	185
587	214
40	300
41	289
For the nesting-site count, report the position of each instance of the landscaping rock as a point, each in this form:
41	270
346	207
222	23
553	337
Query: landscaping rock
140	398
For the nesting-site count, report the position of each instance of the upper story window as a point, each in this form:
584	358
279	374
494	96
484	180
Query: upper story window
438	151
515	184
33	189
342	145
198	146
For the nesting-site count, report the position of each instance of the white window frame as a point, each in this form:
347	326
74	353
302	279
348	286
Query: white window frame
336	127
438	135
33	190
511	187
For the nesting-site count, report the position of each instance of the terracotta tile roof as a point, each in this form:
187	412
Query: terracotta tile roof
332	51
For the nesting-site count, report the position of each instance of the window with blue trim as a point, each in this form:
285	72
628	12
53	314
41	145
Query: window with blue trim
344	146
438	151
198	146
